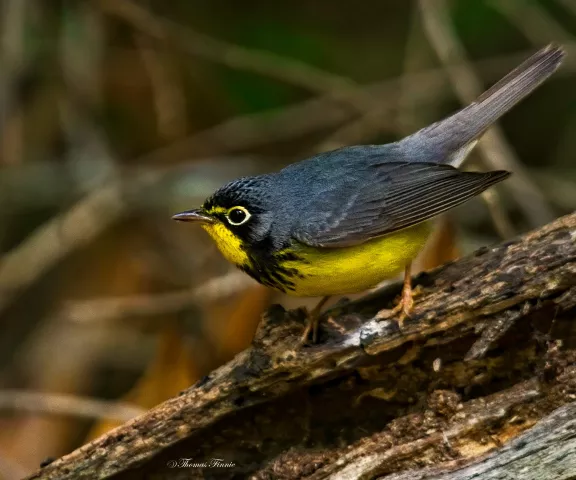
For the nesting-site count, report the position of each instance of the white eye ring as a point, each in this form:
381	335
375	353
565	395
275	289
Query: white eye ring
238	221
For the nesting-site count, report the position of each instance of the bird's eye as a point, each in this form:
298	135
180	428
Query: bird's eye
238	215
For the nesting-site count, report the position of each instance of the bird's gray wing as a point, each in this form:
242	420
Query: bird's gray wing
384	198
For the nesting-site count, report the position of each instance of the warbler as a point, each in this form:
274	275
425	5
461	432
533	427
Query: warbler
342	221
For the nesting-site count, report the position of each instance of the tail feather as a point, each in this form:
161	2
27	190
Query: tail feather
449	140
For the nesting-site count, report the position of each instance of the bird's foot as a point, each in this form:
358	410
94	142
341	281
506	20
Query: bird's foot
311	327
404	308
312	322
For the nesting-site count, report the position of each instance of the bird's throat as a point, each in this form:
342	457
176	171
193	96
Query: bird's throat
229	244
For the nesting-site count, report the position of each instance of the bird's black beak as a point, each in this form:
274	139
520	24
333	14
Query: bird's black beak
193	216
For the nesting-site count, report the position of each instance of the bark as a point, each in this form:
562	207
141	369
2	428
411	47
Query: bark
479	383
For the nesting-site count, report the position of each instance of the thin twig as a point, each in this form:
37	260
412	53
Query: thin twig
63	404
418	56
83	31
495	149
111	309
169	99
500	218
533	20
86	142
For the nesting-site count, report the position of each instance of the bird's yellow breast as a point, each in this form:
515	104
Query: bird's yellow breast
336	271
332	271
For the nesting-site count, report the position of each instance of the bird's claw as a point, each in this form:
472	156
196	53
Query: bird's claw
311	326
312	322
404	308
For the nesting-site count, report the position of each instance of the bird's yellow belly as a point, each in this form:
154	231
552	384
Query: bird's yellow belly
335	271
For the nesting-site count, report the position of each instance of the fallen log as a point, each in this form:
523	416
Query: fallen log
481	379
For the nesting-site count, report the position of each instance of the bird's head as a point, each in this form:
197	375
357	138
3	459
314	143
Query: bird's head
238	216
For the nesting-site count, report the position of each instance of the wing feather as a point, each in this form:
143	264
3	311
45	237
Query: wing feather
394	196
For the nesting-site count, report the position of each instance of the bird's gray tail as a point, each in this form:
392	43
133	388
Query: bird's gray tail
451	139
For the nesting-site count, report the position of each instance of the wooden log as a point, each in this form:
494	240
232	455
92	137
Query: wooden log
488	353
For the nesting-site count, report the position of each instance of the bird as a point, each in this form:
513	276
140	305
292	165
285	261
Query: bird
342	221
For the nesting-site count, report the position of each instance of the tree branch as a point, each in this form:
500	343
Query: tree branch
65	404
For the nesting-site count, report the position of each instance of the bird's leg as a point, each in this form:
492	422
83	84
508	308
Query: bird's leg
406	303
312	320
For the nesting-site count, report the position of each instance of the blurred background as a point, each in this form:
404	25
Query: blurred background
115	114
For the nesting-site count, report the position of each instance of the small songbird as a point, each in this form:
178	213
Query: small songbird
342	221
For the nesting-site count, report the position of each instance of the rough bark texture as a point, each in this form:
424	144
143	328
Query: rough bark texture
488	353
